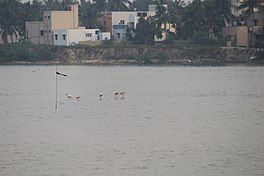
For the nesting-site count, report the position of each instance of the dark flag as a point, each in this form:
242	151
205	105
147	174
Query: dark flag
58	73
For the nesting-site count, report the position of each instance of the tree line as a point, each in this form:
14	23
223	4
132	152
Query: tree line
200	19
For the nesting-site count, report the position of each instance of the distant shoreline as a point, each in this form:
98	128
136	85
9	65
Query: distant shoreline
203	55
120	63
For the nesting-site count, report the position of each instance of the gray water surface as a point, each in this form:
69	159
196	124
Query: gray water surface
174	121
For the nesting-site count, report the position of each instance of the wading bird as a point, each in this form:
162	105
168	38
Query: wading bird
116	95
122	94
69	96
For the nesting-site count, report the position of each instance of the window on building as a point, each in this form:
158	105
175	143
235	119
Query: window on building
56	36
48	17
122	21
118	35
64	36
138	14
27	32
49	31
131	25
145	14
97	32
88	34
255	22
41	32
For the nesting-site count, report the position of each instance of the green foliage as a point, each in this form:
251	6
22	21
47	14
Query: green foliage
202	38
8	18
118	5
162	16
208	16
141	4
107	42
259	56
7	54
144	33
157	55
169	39
25	52
150	57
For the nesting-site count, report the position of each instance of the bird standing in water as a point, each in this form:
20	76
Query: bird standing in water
122	94
116	95
69	96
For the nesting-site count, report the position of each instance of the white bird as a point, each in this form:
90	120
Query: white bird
69	96
189	60
251	58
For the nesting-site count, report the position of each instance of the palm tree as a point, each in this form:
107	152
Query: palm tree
28	12
176	14
193	18
161	17
53	5
118	5
250	5
8	19
141	4
100	4
224	10
89	14
217	14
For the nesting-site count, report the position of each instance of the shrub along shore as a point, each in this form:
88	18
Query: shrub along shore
129	54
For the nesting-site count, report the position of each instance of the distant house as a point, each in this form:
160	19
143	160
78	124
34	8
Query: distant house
117	22
40	32
246	33
120	32
61	28
237	36
75	36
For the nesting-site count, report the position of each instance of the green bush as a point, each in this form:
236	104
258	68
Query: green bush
107	42
25	52
169	39
260	56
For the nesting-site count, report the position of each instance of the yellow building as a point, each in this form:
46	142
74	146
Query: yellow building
41	32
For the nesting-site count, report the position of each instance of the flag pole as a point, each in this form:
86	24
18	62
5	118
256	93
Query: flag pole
56	99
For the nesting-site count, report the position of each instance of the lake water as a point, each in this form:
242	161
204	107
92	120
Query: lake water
184	121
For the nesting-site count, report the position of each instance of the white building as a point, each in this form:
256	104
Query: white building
104	36
129	18
75	36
